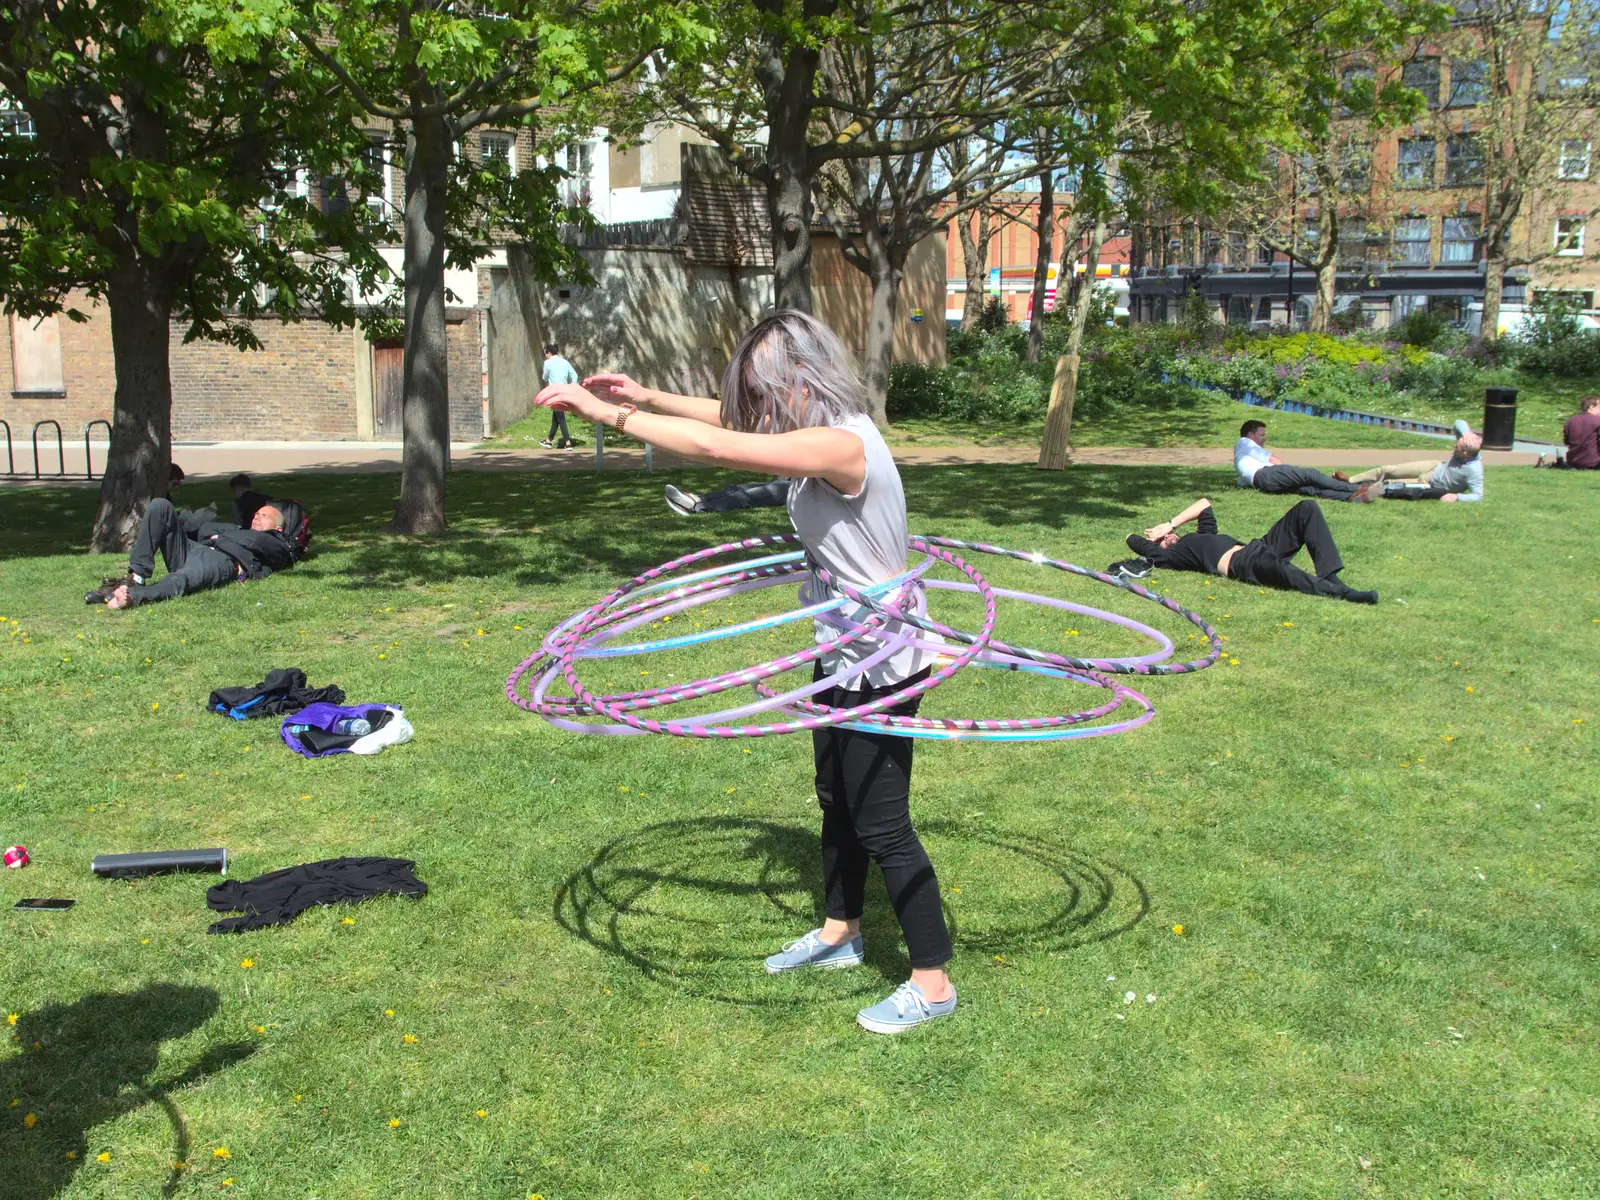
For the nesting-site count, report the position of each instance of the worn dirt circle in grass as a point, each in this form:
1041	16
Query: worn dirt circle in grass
697	904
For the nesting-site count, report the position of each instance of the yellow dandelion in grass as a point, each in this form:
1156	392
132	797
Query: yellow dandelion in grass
155	706
394	1122
179	775
517	627
228	1182
13	1018
410	1039
246	963
381	657
483	1112
388	1012
306	797
1469	687
30	1120
71	1154
296	1097
480	633
103	1156
14	1102
1178	930
1445	737
1288	624
221	1152
259	1028
730	791
348	921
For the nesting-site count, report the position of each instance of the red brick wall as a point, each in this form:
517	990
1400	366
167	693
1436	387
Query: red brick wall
466	375
300	385
86	370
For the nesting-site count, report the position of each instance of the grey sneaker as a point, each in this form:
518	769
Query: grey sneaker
904	1010
681	502
812	951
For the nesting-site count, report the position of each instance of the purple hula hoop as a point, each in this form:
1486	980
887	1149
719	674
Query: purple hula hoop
859	616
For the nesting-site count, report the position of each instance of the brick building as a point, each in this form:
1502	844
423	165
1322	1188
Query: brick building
1411	221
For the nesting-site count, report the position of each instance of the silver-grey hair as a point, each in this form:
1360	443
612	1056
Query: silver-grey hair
790	372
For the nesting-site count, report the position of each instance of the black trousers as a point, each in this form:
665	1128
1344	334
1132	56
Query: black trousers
864	788
773	494
1265	561
191	567
1283	480
558	420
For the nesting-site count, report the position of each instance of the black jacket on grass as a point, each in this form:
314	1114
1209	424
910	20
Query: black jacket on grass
259	553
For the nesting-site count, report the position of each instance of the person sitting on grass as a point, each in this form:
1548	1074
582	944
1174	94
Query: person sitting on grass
1264	561
1259	468
246	500
211	555
1581	433
1459	477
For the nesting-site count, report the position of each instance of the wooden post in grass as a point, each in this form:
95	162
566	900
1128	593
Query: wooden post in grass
1056	451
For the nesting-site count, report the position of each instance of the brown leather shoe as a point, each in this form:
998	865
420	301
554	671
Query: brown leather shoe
1341	476
1367	493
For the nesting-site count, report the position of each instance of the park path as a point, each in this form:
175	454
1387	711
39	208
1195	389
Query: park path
205	459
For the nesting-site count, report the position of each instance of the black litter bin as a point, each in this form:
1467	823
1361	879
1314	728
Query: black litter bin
1499	418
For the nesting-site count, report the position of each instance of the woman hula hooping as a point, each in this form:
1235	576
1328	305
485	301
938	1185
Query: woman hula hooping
793	405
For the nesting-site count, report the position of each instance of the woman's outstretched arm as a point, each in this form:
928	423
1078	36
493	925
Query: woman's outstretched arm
819	453
619	387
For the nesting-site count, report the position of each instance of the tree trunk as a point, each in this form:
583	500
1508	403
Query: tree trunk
975	253
1494	274
789	208
885	274
1041	265
138	463
1327	286
1056	450
425	389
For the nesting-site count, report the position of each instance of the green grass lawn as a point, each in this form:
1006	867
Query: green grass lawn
1377	832
1543	403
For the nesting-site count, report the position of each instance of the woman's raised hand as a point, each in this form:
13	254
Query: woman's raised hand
572	398
617	388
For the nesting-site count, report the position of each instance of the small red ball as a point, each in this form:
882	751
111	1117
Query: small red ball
16	856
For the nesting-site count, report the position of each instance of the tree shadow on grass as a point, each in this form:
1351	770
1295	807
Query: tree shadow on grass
90	1062
695	904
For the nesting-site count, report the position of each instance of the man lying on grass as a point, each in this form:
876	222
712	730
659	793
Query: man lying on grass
1259	468
1264	561
1459	477
208	555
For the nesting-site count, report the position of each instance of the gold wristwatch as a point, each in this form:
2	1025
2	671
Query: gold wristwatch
624	411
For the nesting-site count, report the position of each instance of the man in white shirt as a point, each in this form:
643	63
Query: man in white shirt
1259	468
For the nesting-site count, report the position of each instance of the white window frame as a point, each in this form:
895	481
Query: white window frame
1565	168
1403	258
1570	243
7	105
497	137
382	204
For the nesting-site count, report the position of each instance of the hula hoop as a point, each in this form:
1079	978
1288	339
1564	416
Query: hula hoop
883	619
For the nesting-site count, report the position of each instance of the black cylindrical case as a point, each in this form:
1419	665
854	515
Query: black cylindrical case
158	862
1499	418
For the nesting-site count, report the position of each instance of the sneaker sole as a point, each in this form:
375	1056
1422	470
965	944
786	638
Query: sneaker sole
873	1026
832	964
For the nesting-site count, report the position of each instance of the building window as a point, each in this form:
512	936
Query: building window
375	159
36	356
1238	249
1264	254
1402	307
1354	80
1423	75
1460	244
1582	301
1352	242
1355	161
498	148
1415	168
1463	160
1574	160
14	122
1239	310
1469	83
578	160
1569	236
1412	241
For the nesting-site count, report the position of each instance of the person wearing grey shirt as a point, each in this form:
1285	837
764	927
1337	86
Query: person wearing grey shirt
793	405
1459	477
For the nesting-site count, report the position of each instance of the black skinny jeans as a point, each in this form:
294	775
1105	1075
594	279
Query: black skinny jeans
558	420
864	788
1265	561
737	496
191	567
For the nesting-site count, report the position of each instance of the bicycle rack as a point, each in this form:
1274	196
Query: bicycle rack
88	463
11	458
61	452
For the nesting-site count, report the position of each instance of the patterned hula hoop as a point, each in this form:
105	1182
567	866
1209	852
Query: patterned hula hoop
883	619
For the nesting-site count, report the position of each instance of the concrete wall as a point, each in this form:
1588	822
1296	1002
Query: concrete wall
650	313
842	295
516	341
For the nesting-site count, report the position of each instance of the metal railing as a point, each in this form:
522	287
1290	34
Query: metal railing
61	450
88	462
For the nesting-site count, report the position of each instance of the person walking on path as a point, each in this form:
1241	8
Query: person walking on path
1459	477
557	370
1264	561
793	405
1259	468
